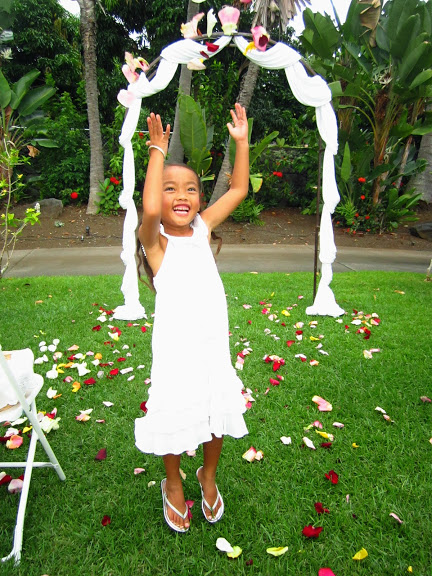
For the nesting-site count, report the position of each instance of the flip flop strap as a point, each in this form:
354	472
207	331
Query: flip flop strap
211	508
174	509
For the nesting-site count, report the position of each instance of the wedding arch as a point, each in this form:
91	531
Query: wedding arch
310	90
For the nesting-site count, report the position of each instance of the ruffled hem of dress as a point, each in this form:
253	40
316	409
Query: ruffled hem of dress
188	438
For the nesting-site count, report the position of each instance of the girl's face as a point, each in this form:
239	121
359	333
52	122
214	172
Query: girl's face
180	199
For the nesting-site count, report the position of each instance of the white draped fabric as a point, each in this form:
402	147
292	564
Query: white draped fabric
309	90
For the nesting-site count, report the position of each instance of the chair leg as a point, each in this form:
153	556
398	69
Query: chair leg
19	525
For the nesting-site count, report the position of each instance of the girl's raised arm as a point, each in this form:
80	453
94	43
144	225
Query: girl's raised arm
222	208
152	195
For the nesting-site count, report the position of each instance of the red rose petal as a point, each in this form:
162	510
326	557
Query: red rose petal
101	455
332	476
320	508
311	532
290	343
5	480
106	520
274	382
114	372
90	382
143	407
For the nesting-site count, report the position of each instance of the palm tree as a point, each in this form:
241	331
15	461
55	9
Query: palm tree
268	13
88	26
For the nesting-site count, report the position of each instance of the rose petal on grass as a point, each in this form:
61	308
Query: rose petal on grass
425	399
4	478
354	445
139	470
15	486
89	381
76	386
320	508
325	572
360	555
250	454
107	404
14	442
223	545
286	440
106	520
235	553
323	405
311	532
290	343
143	407
332	476
325	435
308	443
101	455
338	425
393	515
277	551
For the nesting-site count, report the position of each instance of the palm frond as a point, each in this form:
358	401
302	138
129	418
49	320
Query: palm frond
266	11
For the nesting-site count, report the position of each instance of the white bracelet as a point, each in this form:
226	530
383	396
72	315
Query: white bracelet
157	148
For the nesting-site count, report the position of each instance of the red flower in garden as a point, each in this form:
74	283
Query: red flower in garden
114	180
362	180
362	197
367	217
140	135
278	174
74	195
357	214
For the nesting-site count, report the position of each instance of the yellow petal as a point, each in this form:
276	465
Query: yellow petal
313	339
98	356
235	553
249	47
325	435
354	445
27	429
409	569
76	386
360	555
278	551
285	313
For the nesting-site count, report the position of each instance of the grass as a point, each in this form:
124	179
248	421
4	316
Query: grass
269	502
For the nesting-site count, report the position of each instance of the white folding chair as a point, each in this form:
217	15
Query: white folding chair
19	386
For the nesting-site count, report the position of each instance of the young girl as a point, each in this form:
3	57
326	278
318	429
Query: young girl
195	396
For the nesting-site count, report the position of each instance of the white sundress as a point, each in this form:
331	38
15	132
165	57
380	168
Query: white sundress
195	391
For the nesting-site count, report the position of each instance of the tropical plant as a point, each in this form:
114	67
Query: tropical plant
196	137
22	119
380	61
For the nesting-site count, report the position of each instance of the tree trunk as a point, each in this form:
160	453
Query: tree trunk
422	182
175	150
88	36
245	97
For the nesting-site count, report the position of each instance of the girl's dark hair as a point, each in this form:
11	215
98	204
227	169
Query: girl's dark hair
140	253
142	261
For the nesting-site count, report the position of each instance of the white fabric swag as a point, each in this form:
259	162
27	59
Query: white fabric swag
309	90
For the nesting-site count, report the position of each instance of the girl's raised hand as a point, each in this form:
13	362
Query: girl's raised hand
239	128
156	132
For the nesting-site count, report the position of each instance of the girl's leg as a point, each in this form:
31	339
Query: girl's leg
174	489
207	474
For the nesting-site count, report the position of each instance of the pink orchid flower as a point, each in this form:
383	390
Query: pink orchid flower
260	38
229	16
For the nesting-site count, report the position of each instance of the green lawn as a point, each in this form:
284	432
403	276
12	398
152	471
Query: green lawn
268	503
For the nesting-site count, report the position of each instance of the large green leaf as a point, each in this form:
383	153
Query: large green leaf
193	131
320	33
423	78
413	60
35	99
259	148
399	44
45	143
5	91
21	87
200	161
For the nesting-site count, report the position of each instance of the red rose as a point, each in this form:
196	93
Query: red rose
362	197
74	195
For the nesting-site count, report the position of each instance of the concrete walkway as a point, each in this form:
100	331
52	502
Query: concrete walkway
90	261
